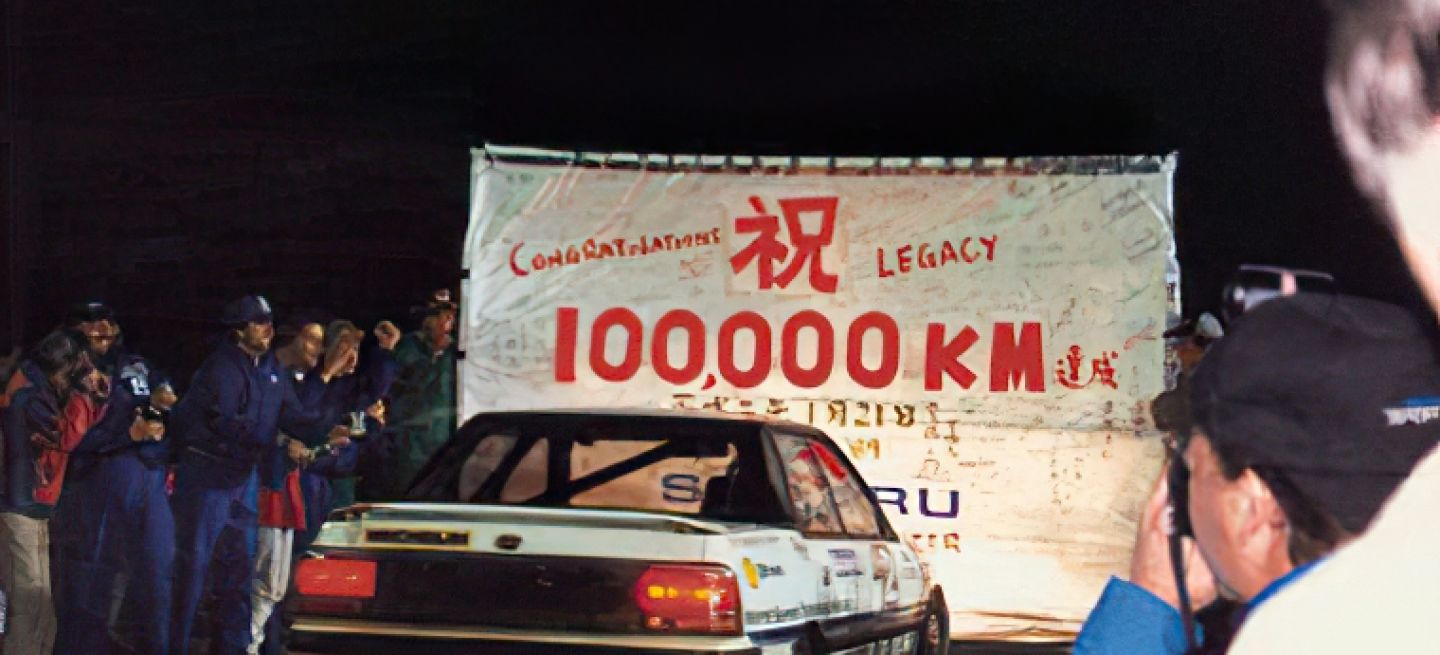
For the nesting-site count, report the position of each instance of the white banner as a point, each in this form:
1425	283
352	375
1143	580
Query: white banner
985	346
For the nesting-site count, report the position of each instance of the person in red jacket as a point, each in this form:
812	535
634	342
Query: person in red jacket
32	423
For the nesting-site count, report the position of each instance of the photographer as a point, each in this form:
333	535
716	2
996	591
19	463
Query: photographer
114	517
1288	458
1378	594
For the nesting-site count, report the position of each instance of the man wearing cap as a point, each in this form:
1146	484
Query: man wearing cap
114	514
1379	594
1301	428
423	411
239	400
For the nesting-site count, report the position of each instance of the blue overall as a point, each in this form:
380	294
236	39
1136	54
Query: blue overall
329	482
230	418
337	399
114	516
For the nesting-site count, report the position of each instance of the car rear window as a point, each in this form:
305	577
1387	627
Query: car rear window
708	474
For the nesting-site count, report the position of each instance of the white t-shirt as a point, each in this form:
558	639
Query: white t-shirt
1380	594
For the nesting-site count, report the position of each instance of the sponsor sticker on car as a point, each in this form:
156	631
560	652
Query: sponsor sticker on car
846	564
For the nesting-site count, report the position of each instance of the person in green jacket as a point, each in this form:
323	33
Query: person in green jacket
422	409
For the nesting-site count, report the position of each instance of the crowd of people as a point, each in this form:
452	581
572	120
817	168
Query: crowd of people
127	496
1301	491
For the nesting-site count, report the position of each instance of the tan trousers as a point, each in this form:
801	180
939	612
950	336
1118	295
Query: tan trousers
25	579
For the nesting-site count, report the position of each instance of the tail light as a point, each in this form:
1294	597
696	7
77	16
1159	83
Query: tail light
689	598
336	578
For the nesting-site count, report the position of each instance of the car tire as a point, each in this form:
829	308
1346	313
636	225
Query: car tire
933	638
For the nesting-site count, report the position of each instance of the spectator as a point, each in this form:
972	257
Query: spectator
351	396
32	417
422	413
282	508
114	516
229	420
1383	86
1286	460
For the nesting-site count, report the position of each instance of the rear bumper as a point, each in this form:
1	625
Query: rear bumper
361	637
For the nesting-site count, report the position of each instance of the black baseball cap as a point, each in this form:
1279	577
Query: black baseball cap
1340	394
87	312
250	309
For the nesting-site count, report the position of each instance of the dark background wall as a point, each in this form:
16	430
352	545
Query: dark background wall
169	156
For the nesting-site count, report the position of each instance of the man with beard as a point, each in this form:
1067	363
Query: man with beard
231	417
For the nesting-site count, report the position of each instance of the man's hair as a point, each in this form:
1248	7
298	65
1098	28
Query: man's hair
57	351
1313	531
1383	80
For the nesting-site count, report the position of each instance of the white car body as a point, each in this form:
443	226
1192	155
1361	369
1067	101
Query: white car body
852	594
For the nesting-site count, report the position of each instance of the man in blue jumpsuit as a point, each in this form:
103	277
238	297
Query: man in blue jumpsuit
329	482
230	417
115	516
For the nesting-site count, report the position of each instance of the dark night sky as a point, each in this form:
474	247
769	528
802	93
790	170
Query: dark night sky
1233	85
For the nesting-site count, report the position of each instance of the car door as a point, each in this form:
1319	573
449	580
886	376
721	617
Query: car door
837	584
879	588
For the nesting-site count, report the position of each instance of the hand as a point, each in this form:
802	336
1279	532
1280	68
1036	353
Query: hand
164	398
340	360
297	452
377	412
143	430
1150	567
387	334
339	436
98	384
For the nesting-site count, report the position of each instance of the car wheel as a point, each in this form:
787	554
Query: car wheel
934	634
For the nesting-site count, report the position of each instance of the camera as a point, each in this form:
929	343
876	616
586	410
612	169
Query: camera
152	413
1252	285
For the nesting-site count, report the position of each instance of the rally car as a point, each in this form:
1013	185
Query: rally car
621	531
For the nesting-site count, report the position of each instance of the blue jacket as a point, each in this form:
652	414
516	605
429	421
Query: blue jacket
233	412
129	391
33	408
351	393
1129	620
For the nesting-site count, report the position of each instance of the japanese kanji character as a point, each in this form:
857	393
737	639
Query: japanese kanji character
808	247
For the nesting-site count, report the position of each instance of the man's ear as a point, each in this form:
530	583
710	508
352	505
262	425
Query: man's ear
1262	522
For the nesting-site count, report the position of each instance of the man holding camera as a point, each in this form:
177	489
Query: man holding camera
1287	458
1378	595
113	514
